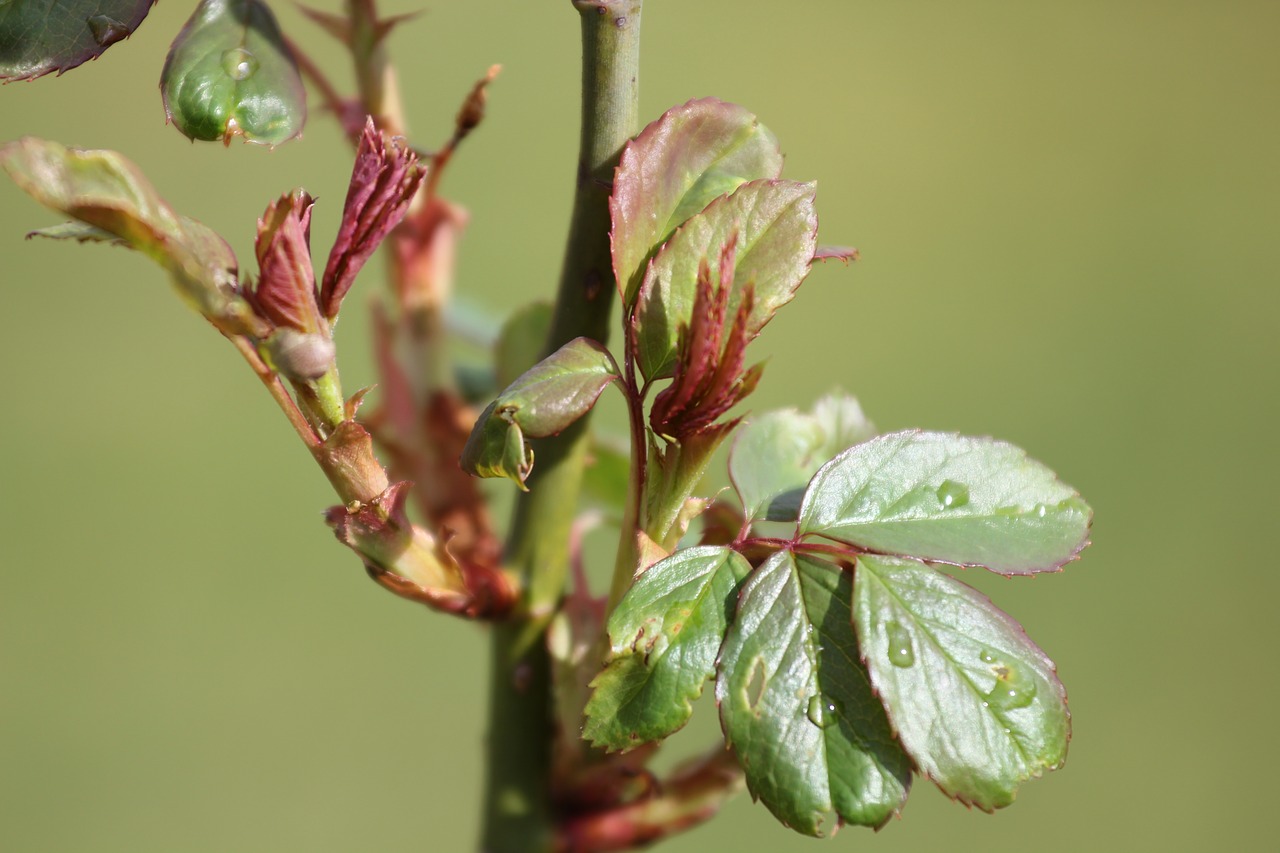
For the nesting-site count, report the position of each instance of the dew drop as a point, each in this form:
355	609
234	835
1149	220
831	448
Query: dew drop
823	711
239	63
987	656
106	30
900	651
1011	690
953	495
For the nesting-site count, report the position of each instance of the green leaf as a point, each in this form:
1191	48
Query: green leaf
521	341
948	498
775	229
107	192
797	706
558	390
976	704
673	169
40	36
542	401
663	636
229	73
496	448
777	453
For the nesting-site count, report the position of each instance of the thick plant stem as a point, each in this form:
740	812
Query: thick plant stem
519	815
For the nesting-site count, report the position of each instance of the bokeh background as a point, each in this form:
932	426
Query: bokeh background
1068	216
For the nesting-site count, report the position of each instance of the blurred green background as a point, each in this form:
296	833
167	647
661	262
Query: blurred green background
1068	216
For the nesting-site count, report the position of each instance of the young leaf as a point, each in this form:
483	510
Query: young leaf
229	73
948	498
674	168
561	388
664	636
777	453
106	191
797	706
383	182
976	704
775	228
38	36
542	401
496	448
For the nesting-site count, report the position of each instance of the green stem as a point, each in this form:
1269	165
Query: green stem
518	811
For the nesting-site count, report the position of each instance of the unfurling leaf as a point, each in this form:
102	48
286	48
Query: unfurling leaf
104	190
948	498
542	401
229	73
286	291
40	36
496	448
772	228
675	168
708	378
976	704
796	703
777	453
663	636
383	182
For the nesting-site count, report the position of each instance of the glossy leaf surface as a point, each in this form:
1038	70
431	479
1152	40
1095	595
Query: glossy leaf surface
772	228
542	401
663	636
558	390
976	704
496	448
674	168
948	498
229	73
104	190
41	36
796	703
776	453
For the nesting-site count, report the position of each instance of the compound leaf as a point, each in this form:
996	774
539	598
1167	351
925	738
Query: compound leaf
229	73
772	228
664	636
976	704
948	498
41	36
796	703
674	168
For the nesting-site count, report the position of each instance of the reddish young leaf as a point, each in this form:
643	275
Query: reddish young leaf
385	177
286	291
709	377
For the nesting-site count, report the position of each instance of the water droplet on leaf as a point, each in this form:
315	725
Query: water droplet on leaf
823	712
953	495
900	651
1011	690
239	63
987	656
106	30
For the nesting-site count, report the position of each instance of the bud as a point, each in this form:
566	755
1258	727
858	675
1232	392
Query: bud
298	355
